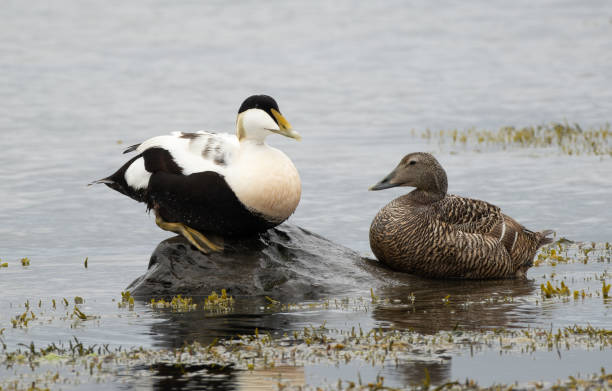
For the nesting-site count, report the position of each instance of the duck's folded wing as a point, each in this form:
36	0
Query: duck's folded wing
193	152
481	256
479	217
470	215
178	153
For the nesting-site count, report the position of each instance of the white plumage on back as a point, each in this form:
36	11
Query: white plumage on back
196	152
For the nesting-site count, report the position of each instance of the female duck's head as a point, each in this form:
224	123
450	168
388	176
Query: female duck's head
258	117
418	169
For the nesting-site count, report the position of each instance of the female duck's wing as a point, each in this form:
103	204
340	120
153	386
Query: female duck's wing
479	217
470	215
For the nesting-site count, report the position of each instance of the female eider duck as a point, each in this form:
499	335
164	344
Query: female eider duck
434	234
207	185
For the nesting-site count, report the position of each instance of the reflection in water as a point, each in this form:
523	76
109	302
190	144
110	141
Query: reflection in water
437	305
448	304
211	377
180	328
415	372
405	302
429	306
468	304
192	377
407	373
172	376
270	379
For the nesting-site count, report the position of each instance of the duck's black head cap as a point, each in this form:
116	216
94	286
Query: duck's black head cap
263	102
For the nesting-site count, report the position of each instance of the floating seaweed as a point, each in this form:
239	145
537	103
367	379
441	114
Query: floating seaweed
548	290
216	303
177	303
23	319
127	301
565	251
213	303
568	139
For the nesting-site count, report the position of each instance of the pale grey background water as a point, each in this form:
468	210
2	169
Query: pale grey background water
352	77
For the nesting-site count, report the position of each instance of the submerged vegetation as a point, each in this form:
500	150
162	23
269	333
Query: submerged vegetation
127	301
178	303
565	251
213	303
548	290
568	139
76	363
219	304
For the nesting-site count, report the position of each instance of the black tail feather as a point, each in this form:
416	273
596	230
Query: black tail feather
106	181
117	182
131	148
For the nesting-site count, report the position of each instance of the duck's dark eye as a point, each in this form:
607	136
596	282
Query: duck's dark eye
412	162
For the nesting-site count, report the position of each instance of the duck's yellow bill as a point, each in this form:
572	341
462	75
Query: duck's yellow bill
285	126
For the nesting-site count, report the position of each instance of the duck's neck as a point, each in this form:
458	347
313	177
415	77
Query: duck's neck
426	197
249	129
430	188
252	143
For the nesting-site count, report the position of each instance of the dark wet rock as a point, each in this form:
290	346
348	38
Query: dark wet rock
284	262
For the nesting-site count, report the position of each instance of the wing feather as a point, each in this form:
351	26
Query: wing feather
195	152
479	217
472	216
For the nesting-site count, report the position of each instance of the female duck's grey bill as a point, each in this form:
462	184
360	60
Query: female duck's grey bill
385	183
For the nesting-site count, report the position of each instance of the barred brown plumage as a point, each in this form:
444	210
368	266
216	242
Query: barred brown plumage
435	234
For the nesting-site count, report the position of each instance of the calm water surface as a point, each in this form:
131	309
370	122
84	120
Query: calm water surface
81	80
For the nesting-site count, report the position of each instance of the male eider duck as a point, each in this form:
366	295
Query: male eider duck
434	234
207	185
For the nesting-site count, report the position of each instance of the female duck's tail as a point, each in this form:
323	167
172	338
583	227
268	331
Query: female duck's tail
543	237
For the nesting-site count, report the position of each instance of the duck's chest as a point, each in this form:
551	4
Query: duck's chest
401	228
407	236
399	216
265	180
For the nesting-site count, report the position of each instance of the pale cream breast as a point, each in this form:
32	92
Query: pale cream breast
265	180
